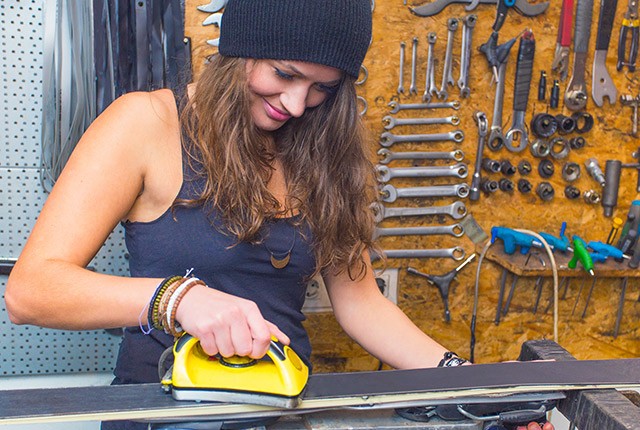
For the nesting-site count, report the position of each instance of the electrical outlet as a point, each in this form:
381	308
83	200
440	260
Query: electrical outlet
317	299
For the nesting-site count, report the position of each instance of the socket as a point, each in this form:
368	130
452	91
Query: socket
317	299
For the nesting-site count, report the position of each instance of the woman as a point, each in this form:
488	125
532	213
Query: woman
258	181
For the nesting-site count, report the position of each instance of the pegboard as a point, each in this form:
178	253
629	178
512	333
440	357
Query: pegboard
28	350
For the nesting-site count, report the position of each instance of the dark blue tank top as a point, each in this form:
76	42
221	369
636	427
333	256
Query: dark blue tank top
190	238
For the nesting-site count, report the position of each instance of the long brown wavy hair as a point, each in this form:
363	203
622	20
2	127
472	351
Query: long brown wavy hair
324	153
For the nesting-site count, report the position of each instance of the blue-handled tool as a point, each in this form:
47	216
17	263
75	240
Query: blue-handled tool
513	239
560	243
607	250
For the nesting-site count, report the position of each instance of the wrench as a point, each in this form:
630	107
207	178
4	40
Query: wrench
455	230
517	138
387	139
385	174
560	62
212	6
496	138
522	6
390	122
390	193
401	78
469	22
457	253
388	156
456	210
397	107
447	75
601	85
414	60
480	119
429	83
575	97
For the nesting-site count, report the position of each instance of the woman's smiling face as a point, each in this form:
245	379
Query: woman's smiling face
281	89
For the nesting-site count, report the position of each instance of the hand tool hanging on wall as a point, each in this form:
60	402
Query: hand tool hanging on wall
385	173
456	210
443	283
456	253
430	89
560	64
523	7
481	120
469	23
455	230
496	137
630	23
387	139
390	193
601	84
517	138
634	102
575	97
447	73
612	171
413	87
400	89
388	156
397	107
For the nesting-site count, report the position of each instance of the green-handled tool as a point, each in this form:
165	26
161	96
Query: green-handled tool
581	254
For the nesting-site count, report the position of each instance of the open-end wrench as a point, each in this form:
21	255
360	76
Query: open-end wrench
397	107
212	6
387	139
457	253
447	74
483	125
496	138
456	210
385	174
560	62
601	84
521	6
517	138
390	193
468	23
390	122
413	89
455	230
400	89
388	156
575	97
429	74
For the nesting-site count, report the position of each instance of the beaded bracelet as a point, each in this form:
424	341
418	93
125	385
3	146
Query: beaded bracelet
157	295
173	327
158	318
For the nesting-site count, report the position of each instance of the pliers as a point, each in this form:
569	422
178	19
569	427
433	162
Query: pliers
560	62
630	22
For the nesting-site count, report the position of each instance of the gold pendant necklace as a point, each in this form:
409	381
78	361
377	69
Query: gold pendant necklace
281	263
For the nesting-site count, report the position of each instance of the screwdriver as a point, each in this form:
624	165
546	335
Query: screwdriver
615	227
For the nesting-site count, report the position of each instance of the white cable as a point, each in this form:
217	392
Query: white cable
554	269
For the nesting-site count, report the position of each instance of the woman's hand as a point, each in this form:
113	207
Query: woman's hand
536	426
226	324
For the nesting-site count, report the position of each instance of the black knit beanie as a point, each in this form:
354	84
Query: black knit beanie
335	33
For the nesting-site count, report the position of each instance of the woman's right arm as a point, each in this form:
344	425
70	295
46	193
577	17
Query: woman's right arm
113	175
49	285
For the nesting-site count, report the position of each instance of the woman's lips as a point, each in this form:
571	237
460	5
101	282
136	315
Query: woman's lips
274	113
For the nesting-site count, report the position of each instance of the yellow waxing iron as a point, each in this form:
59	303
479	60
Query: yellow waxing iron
278	379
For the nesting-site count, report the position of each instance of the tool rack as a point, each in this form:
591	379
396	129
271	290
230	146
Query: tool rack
522	265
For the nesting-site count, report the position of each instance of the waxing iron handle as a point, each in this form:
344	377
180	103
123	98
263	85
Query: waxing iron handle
276	348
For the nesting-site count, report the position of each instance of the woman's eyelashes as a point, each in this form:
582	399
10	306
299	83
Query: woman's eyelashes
283	75
329	89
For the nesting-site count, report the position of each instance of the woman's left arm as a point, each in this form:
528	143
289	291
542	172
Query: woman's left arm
378	325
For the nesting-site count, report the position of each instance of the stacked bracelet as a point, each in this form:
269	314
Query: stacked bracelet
165	300
451	359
